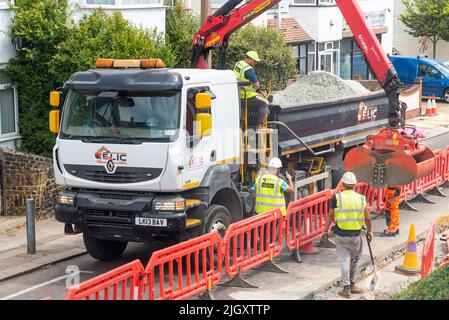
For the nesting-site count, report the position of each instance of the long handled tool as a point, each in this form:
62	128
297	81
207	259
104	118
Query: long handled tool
374	279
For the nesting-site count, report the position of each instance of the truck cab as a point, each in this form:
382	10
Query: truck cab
148	153
435	75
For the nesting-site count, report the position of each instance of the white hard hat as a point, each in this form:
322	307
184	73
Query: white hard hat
349	178
275	163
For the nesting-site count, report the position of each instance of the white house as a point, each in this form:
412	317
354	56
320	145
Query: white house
142	13
9	132
407	45
335	49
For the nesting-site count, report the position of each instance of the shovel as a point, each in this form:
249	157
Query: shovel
374	279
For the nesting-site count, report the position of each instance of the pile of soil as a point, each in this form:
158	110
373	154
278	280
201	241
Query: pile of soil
318	86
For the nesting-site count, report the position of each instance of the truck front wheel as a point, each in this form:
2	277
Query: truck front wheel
217	219
104	250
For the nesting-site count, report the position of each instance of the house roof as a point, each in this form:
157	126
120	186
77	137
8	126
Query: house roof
290	29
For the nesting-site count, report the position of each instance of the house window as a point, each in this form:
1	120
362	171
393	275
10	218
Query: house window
8	106
328	56
315	2
311	57
353	64
100	2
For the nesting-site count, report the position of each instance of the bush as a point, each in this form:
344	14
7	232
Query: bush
278	63
53	52
99	35
42	24
180	28
433	287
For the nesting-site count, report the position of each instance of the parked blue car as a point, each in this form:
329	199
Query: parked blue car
434	74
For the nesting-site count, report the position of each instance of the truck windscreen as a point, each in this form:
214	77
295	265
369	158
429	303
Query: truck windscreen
130	116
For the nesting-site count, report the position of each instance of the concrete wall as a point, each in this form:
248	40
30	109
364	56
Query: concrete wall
408	45
321	23
145	16
379	5
25	175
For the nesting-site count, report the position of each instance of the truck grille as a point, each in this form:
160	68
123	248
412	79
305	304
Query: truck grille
121	174
109	217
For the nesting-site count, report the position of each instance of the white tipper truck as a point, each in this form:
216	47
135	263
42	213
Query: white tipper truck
154	153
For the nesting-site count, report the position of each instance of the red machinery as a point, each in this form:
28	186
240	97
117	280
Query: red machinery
389	158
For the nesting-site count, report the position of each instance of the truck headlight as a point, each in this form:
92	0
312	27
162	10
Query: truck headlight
175	205
67	198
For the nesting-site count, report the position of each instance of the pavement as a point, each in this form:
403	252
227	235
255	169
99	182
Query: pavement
52	246
314	276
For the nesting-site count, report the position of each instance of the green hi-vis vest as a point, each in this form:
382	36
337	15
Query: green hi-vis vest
239	69
350	210
269	194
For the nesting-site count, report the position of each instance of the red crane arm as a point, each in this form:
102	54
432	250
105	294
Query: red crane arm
219	26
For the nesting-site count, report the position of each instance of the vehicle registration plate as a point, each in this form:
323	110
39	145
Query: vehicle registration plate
153	222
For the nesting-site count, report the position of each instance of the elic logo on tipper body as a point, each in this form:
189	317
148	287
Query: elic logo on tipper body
366	113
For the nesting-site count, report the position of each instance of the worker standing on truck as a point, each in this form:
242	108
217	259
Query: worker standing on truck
391	201
270	188
244	71
351	214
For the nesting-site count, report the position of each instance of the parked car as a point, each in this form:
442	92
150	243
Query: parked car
434	74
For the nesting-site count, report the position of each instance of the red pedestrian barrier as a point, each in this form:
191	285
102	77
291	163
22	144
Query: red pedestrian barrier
305	220
194	267
252	242
428	252
445	164
122	283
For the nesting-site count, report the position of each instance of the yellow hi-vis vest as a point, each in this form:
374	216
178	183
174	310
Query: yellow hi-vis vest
239	70
269	194
350	210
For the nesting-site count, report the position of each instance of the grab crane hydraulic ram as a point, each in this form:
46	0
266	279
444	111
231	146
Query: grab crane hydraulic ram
391	157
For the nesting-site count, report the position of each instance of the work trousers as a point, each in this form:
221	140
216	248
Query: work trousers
349	250
392	208
260	104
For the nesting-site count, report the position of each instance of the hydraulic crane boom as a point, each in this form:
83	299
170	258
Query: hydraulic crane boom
389	158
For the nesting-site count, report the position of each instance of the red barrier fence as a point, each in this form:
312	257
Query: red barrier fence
122	283
428	252
253	241
194	267
306	218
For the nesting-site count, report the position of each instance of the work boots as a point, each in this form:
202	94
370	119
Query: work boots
354	289
345	292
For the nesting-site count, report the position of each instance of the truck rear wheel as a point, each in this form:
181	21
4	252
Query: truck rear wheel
104	250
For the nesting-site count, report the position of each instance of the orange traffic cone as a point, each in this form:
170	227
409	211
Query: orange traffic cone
429	107
410	266
434	106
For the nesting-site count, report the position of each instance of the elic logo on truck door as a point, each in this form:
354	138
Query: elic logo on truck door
366	113
110	159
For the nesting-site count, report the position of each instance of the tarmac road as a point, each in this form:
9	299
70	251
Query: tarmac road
51	281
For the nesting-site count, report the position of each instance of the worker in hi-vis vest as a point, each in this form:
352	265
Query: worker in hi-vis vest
270	188
244	71
351	213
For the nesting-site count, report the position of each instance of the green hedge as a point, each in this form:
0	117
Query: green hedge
433	287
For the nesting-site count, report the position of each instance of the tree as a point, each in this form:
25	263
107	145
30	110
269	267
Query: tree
41	25
278	63
428	20
99	35
180	28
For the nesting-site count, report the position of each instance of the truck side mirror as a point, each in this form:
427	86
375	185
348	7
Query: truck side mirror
203	125
55	98
54	121
203	100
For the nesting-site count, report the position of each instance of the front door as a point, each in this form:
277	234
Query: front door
433	80
327	62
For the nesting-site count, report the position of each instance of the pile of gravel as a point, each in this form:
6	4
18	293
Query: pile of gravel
318	86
